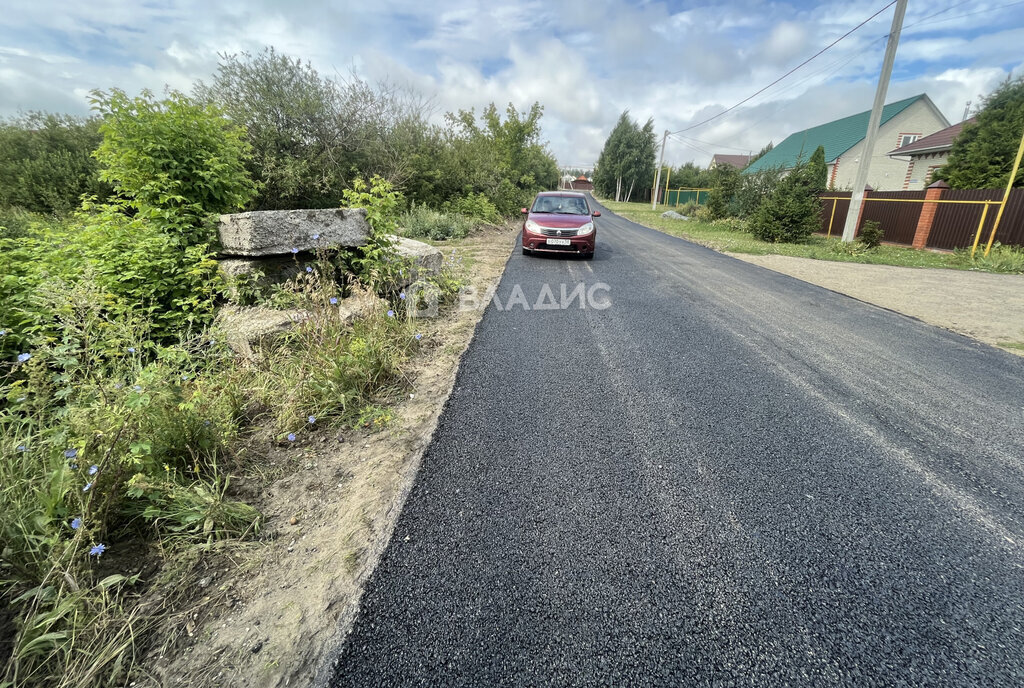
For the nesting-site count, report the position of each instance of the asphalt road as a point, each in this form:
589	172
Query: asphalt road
724	477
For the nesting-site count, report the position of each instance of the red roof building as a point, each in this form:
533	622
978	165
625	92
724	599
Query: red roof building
927	154
737	161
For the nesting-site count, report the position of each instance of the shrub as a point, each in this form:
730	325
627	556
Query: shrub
473	205
46	162
423	223
871	234
753	189
688	209
792	213
173	161
725	181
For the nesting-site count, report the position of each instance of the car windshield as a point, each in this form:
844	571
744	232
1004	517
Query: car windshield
560	205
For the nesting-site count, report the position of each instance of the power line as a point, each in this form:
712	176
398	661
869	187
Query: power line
759	92
961	16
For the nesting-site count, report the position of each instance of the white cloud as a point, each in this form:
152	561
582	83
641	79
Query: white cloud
584	60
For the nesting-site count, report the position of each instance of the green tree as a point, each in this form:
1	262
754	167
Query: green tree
725	180
982	155
690	176
761	153
627	158
294	122
46	162
817	171
792	212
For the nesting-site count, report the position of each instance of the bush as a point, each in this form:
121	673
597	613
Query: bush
753	189
423	223
871	234
475	206
173	161
793	212
689	208
46	162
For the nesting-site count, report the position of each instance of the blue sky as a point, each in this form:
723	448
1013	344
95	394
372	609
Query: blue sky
585	61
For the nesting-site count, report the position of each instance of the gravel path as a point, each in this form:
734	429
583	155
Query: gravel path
982	305
727	477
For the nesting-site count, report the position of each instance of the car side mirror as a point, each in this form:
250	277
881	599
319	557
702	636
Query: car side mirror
596	213
524	211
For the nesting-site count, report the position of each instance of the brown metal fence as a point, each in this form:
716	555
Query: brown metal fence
954	225
897	220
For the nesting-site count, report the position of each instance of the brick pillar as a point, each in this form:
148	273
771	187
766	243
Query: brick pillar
924	223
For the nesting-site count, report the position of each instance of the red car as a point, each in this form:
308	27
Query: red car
560	222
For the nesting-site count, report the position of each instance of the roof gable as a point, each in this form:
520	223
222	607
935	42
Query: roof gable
737	161
837	137
939	141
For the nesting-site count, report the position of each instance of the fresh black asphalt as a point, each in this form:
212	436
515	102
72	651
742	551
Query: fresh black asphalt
725	477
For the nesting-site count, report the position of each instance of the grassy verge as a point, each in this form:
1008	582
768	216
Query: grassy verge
118	455
729	236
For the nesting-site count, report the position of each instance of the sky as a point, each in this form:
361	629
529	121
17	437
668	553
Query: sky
585	61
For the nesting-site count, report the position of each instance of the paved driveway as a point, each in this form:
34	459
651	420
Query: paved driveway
728	476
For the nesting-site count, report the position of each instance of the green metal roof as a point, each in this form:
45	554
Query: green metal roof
837	137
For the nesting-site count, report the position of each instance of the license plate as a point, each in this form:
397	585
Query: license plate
559	242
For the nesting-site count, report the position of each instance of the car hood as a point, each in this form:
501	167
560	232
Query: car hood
559	219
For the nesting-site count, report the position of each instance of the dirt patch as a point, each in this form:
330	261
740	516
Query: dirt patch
985	306
330	505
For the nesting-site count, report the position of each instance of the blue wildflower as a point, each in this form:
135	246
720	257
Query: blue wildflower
391	314
73	466
137	388
309	269
3	333
23	357
87	486
316	237
418	336
402	296
334	300
295	250
98	550
70	453
118	385
76	524
22	448
291	436
93	468
184	376
312	419
131	349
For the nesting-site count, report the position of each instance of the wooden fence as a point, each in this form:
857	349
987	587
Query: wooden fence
954	224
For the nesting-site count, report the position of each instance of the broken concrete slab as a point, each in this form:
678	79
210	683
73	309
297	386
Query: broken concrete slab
246	327
671	214
426	259
281	232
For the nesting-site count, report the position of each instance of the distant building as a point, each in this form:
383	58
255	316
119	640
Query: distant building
902	123
580	183
737	161
927	154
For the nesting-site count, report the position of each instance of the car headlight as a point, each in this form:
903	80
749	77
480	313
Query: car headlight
585	229
532	226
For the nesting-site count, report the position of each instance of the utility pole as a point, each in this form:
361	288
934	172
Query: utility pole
657	175
857	197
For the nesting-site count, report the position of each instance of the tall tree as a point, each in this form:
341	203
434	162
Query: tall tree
627	160
983	153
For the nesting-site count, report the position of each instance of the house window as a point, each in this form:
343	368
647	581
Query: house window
907	139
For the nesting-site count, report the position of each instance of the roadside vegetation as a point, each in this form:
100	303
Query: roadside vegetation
124	415
733	235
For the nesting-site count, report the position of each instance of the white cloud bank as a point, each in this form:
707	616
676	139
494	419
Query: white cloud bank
585	61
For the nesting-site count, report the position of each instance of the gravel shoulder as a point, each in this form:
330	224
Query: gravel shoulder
985	306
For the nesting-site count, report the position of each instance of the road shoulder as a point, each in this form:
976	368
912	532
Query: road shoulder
985	306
